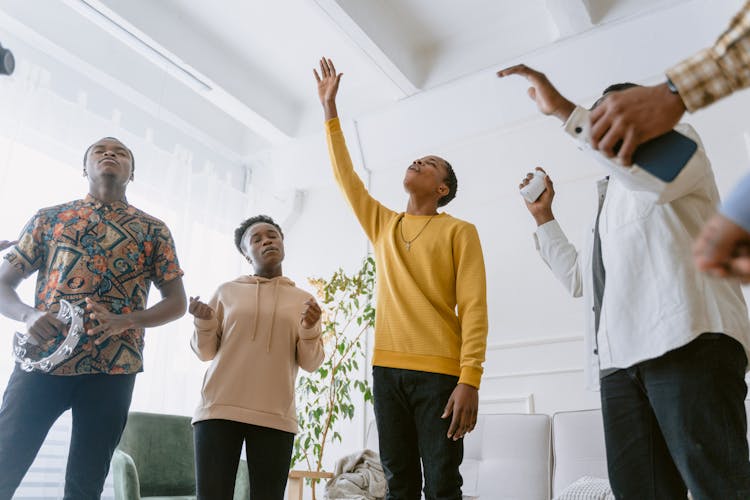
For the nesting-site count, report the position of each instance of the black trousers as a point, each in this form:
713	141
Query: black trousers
218	445
413	437
678	422
31	404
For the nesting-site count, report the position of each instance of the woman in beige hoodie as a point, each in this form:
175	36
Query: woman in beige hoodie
256	331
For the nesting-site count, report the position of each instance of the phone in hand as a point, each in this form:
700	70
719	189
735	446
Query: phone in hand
665	156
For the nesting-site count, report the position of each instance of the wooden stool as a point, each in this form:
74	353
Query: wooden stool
297	482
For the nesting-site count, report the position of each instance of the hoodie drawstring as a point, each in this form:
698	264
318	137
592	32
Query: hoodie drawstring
255	312
273	313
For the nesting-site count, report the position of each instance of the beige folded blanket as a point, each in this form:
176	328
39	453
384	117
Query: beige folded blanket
358	476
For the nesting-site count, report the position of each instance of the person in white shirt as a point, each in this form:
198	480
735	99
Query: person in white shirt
667	344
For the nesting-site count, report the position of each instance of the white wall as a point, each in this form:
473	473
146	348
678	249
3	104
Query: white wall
492	135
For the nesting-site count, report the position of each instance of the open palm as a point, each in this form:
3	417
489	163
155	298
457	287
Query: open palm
547	98
328	81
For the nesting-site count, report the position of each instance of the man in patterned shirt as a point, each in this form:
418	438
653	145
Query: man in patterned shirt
637	115
100	253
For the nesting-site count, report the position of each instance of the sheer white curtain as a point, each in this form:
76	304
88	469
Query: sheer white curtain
197	191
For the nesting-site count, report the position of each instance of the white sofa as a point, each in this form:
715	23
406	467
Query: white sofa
531	456
507	456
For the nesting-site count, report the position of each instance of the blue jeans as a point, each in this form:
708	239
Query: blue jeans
31	404
218	444
678	422
408	405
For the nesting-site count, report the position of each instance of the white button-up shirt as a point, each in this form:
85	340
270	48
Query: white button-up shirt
655	300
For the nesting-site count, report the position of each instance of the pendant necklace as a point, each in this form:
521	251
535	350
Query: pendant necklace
401	232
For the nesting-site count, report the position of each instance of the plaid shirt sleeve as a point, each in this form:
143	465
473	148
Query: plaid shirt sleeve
717	71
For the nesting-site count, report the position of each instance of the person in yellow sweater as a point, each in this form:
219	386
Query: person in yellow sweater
256	331
431	317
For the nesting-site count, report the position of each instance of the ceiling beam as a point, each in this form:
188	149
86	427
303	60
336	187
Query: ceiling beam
570	17
209	85
354	32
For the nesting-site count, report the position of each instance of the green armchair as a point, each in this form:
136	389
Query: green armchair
155	460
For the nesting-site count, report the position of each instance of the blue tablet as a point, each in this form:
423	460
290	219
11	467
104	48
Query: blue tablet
665	156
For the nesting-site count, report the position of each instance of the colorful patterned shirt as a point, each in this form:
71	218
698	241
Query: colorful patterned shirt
109	252
717	71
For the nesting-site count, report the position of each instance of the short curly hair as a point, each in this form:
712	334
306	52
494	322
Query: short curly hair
452	182
615	87
240	231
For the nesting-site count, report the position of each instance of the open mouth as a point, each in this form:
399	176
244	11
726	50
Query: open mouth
414	168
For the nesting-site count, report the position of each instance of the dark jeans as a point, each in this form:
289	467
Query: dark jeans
678	422
408	406
218	444
31	404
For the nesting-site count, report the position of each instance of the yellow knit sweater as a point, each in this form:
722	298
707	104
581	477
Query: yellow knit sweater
431	310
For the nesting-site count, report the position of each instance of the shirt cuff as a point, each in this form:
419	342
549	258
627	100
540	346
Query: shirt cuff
309	333
549	231
470	376
737	205
203	325
700	80
578	124
333	125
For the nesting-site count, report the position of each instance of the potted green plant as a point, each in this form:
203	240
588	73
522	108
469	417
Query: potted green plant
327	396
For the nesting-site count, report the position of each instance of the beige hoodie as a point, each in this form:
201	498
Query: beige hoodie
255	343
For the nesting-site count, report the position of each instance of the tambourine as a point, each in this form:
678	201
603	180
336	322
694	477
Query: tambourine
68	314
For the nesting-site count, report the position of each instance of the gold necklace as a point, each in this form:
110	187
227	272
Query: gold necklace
401	231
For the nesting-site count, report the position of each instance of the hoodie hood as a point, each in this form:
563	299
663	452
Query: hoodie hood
252	280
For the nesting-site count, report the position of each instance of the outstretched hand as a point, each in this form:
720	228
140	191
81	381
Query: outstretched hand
200	310
328	86
547	98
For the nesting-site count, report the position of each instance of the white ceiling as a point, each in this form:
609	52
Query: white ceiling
253	59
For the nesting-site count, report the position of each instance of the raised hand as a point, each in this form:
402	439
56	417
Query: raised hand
547	98
311	314
109	323
541	209
199	309
328	86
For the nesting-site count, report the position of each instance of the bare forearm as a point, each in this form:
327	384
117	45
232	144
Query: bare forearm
543	217
564	111
11	305
205	345
329	109
171	307
166	310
